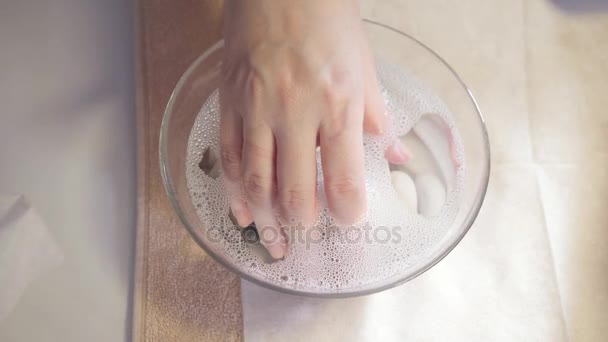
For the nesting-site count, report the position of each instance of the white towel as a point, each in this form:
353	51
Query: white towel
27	250
497	285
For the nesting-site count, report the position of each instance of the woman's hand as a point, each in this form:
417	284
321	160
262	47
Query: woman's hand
296	74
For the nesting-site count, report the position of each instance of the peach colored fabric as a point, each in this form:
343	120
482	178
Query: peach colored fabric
180	294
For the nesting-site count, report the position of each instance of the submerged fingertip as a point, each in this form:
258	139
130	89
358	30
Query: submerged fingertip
277	249
241	213
398	154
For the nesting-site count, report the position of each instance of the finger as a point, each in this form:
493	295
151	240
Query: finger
397	153
231	143
258	179
343	171
297	175
241	212
375	117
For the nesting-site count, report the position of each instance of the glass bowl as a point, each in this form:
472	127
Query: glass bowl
201	79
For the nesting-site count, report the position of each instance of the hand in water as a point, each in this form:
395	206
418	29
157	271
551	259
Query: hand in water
296	74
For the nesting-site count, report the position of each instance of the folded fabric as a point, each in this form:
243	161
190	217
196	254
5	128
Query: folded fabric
497	285
27	250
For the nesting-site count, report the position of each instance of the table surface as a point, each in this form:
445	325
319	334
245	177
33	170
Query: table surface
538	69
68	144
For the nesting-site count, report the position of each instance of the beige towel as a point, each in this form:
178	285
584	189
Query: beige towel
180	293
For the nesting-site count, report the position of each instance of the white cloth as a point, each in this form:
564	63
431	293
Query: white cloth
497	285
27	250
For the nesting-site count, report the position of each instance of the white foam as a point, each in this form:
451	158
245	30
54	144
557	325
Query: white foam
337	260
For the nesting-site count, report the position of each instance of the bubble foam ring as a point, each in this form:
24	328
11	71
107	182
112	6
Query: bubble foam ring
324	258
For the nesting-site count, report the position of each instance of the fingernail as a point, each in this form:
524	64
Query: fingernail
398	154
276	251
275	244
383	123
376	127
241	213
375	123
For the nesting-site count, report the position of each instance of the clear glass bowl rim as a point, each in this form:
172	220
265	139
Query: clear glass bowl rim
425	266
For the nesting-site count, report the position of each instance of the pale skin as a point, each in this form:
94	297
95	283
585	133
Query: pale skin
296	75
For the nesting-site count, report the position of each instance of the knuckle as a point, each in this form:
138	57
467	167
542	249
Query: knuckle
335	124
257	187
259	151
342	105
337	87
344	188
335	97
294	199
231	160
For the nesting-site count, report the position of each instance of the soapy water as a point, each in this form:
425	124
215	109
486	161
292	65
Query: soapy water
399	228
